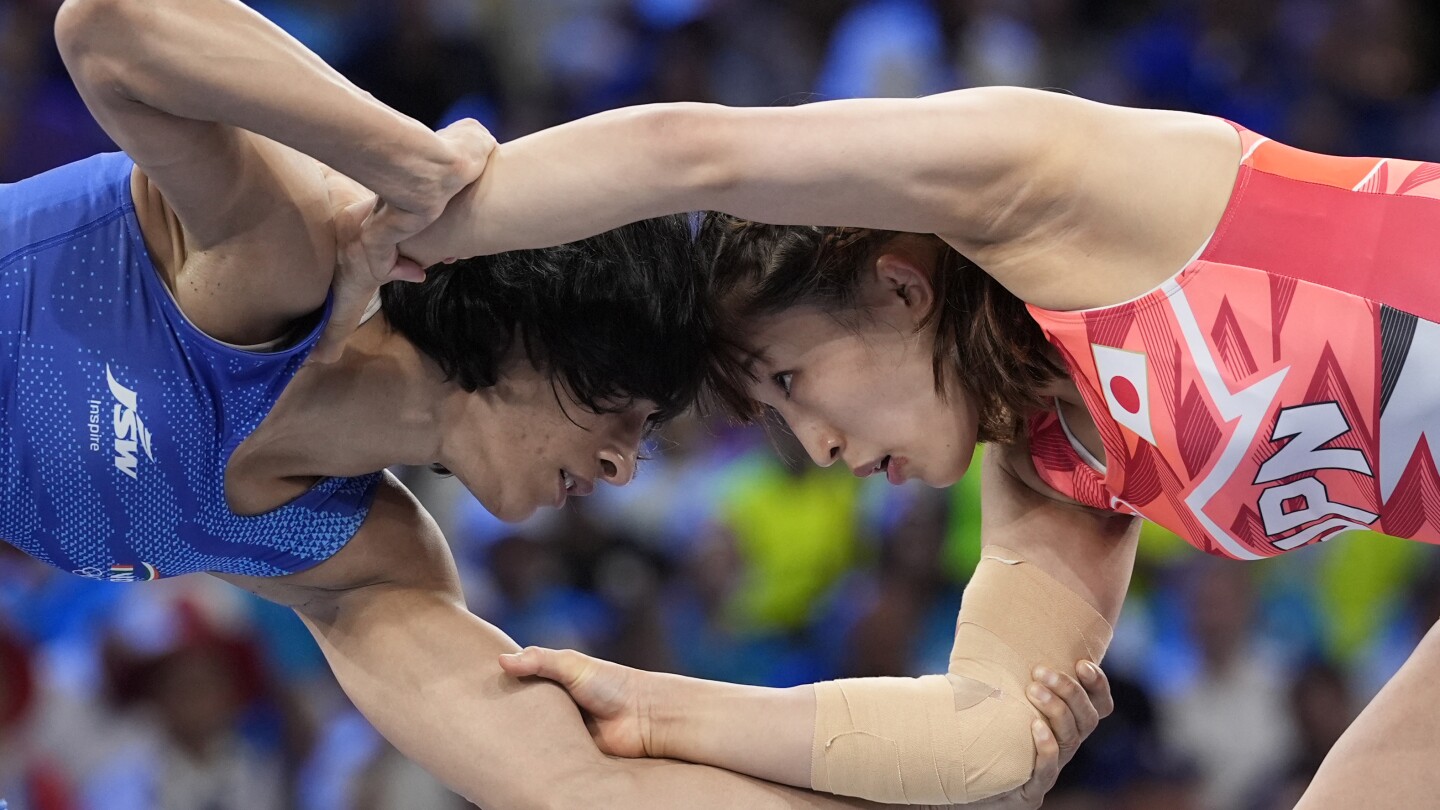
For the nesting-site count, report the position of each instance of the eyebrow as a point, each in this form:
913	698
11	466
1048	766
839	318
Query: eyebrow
752	358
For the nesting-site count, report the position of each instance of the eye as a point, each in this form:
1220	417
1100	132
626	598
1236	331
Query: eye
783	381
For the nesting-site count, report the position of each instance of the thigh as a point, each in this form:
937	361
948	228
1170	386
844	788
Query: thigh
1387	757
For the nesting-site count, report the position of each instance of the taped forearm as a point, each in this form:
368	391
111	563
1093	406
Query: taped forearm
963	736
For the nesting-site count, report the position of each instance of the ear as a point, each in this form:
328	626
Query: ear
901	282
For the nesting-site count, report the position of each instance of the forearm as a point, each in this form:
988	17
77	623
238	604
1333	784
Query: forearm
668	784
748	729
424	671
217	61
578	180
941	164
960	737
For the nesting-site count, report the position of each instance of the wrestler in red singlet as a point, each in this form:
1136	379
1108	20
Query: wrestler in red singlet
1282	388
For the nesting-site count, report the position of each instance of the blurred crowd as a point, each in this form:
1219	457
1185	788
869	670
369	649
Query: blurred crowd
727	559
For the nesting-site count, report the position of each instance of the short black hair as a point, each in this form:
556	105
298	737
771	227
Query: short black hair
615	318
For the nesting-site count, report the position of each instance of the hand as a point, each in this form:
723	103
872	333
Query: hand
1073	710
613	697
424	190
369	230
1087	702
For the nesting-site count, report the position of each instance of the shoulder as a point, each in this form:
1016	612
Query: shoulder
1124	199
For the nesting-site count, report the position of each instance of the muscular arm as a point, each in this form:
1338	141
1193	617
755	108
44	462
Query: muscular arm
1068	202
929	165
388	614
225	116
172	81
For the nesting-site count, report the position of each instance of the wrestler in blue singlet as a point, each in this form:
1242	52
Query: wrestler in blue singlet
118	416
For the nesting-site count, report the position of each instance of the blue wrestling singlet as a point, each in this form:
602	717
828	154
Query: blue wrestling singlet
118	416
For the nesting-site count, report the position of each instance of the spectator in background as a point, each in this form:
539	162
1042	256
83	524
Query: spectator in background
891	48
1322	707
1125	765
1232	720
796	530
907	605
190	696
1331	75
28	779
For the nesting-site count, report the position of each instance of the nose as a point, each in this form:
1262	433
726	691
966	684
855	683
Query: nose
617	468
822	442
620	455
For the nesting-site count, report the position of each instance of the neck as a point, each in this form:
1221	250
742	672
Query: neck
379	405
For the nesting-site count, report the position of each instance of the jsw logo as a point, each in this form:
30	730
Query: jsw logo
130	432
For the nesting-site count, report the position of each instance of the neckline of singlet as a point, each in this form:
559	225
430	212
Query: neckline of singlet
268	347
1075	444
371	309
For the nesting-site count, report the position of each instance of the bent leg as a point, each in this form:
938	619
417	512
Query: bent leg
1387	757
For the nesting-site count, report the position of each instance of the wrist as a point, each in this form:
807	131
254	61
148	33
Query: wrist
452	235
413	168
662	698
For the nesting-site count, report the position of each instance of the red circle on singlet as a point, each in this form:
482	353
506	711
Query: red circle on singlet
1125	394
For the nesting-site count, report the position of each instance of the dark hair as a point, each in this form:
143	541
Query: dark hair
982	330
614	318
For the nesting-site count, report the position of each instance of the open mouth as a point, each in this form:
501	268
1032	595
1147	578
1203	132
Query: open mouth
894	470
571	484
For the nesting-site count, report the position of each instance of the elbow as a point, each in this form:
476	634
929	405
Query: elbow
88	31
933	740
81	24
998	760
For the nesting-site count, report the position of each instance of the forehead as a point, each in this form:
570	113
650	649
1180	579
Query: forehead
795	331
808	334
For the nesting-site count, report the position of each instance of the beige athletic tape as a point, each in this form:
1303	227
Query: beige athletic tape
965	735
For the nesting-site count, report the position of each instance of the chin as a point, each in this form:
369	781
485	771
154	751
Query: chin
951	476
512	513
942	483
503	509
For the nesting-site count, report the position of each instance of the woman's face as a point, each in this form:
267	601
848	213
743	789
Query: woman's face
861	392
525	443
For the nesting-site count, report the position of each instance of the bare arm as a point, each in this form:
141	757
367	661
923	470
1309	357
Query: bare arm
1069	203
388	614
171	81
769	732
927	165
225	116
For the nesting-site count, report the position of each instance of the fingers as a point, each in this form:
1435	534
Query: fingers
366	259
1083	713
524	663
349	291
473	144
1097	684
1056	712
565	667
1047	766
385	228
